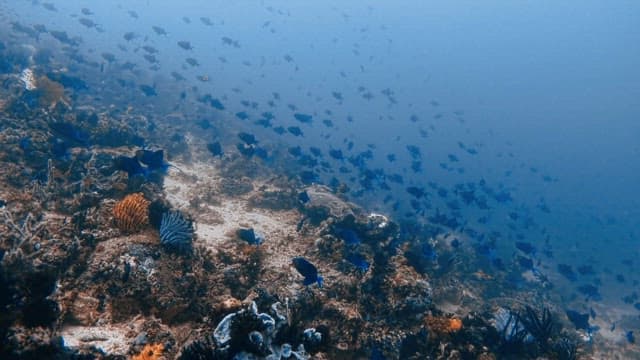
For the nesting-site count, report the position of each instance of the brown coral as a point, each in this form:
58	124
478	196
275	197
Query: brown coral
132	213
51	92
443	325
150	352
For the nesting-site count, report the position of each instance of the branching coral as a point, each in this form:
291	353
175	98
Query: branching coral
21	237
132	213
150	352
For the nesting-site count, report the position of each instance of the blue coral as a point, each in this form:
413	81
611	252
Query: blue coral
176	232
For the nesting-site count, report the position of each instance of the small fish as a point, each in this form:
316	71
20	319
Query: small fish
248	139
349	236
49	6
295	131
580	321
158	30
249	235
630	337
150	49
215	148
131	166
191	61
133	14
359	261
303	118
148	90
308	270
153	159
185	45
206	21
108	56
87	22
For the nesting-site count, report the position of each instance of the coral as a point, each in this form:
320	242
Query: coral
23	237
176	232
132	213
50	92
443	325
150	352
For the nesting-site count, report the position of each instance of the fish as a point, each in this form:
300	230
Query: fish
308	270
358	260
250	236
148	90
579	320
150	49
191	61
295	131
349	236
630	337
131	166
185	45
70	132
49	6
150	58
229	41
206	21
158	30
246	150
567	271
248	139
328	123
186	20
526	248
303	118
133	14
177	76
154	160
336	154
215	148
87	22
108	56
86	11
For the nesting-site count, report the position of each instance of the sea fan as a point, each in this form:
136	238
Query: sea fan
132	213
176	232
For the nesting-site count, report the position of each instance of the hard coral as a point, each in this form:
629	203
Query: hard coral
150	352
443	325
176	232
50	92
132	213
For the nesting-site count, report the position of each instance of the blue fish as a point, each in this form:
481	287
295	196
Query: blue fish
250	236
131	166
154	160
308	270
358	261
630	337
349	236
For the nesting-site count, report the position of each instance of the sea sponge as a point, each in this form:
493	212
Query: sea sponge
132	213
150	352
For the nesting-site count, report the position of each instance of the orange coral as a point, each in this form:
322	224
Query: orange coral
443	325
132	213
150	352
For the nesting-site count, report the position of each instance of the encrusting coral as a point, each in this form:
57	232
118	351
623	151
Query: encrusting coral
132	213
150	352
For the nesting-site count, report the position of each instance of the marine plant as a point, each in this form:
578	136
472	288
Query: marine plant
131	214
542	327
176	232
150	352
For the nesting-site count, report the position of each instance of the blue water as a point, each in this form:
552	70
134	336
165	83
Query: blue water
546	93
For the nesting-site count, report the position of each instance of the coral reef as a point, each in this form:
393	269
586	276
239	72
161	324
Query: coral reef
176	232
131	214
150	352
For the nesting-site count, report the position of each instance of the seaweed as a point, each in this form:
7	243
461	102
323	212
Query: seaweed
542	327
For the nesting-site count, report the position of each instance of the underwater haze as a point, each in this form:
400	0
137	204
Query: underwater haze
515	121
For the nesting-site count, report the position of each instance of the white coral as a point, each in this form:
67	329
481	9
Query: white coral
28	79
